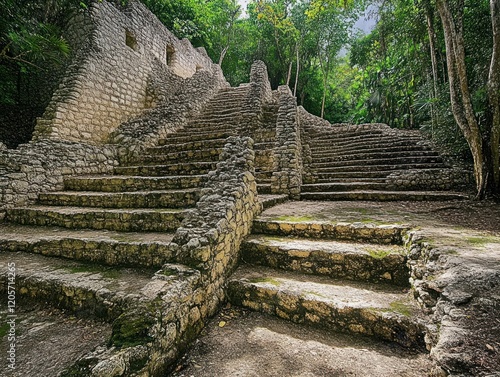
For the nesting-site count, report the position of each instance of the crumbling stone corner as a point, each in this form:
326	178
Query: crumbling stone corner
287	175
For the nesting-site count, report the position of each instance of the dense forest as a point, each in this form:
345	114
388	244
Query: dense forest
427	64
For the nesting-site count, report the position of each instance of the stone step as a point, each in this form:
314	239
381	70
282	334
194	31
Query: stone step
354	174
263	188
347	158
384	195
120	183
264	145
341	231
311	180
96	246
341	134
269	200
194	145
180	137
339	260
131	199
363	161
344	137
211	124
344	186
369	148
201	155
220	110
90	290
122	220
377	168
194	168
380	311
363	142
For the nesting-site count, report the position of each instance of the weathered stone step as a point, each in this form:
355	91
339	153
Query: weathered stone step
368	148
96	246
364	141
264	188
132	199
378	168
211	124
381	156
341	231
120	183
181	156
194	168
340	260
311	180
268	145
220	110
384	195
343	186
122	220
354	174
373	310
363	161
341	134
83	288
181	137
168	147
269	200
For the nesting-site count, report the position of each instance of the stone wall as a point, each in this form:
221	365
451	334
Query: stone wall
33	168
175	100
287	175
106	84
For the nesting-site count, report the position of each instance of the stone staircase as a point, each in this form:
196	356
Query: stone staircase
342	277
371	163
94	249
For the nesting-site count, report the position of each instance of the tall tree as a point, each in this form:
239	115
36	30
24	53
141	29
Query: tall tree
483	145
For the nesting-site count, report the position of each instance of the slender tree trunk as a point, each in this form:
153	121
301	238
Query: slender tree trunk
494	97
289	75
223	55
461	101
324	96
297	70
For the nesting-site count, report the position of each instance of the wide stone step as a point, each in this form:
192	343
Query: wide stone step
341	231
194	168
120	183
340	260
384	195
133	199
381	156
363	161
342	134
362	142
344	186
201	155
194	145
270	200
377	168
97	246
311	180
354	174
369	148
122	220
210	125
380	311
180	137
86	289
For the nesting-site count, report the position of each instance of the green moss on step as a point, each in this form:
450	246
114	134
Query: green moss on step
481	241
4	328
295	219
378	253
401	308
266	280
132	328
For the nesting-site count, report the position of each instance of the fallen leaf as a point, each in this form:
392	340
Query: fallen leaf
222	323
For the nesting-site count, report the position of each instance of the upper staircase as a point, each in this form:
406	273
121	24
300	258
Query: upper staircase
370	163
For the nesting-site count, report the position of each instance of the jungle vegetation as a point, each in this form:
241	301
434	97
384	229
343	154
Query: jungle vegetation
427	64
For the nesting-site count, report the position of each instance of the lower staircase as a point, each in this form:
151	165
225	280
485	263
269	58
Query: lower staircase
369	163
343	277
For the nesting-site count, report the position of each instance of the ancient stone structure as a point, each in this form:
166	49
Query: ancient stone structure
147	159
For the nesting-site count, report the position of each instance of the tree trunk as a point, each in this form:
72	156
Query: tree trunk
461	101
494	97
324	97
297	70
223	55
288	77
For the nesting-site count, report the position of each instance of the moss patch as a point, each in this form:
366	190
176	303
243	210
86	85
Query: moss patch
481	241
401	308
266	280
4	329
295	219
132	328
